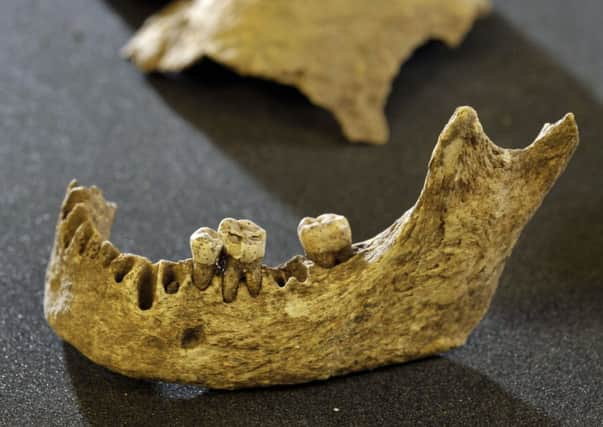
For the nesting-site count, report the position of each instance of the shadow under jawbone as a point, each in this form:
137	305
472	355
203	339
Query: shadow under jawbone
436	391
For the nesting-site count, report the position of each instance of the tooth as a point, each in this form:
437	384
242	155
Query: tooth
230	280
326	239
245	245
206	245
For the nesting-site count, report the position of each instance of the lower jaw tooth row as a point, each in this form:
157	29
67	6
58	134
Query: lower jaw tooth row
234	252
241	243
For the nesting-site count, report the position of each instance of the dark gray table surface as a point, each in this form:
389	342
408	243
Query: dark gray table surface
184	151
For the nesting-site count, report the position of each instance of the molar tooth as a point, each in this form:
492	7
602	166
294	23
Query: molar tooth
206	245
326	239
243	239
245	245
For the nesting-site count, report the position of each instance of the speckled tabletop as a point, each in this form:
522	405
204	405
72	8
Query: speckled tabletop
184	151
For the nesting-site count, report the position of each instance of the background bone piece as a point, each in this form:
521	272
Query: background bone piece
416	289
342	54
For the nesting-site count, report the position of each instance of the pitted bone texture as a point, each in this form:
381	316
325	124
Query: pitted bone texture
416	289
342	54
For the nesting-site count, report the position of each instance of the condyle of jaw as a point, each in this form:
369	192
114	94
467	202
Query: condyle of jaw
224	320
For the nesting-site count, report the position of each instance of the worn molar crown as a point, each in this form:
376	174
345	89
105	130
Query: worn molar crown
325	238
243	239
325	233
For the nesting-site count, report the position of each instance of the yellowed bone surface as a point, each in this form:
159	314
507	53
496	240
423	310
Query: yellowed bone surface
416	289
342	54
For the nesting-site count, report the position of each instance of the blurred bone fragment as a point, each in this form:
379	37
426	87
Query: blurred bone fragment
342	54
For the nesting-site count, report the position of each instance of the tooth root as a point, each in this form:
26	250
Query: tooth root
202	275
326	259
230	280
206	245
253	279
326	239
245	245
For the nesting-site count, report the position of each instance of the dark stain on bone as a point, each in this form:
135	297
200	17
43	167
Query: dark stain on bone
192	337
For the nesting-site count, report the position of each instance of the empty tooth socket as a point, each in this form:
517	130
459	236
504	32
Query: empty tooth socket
75	196
172	287
76	217
280	278
82	237
145	287
100	211
168	277
294	268
121	266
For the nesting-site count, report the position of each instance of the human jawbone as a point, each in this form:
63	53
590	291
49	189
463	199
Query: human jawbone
224	320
